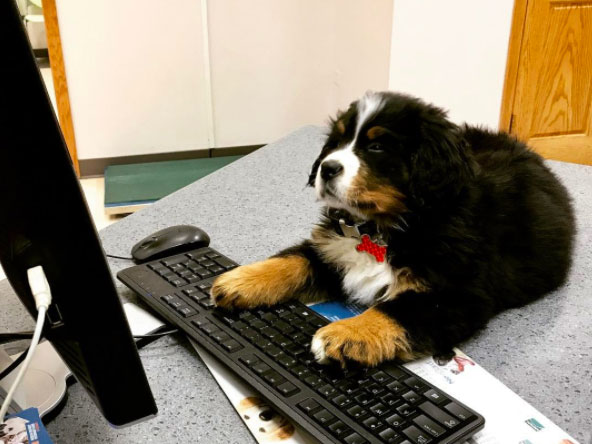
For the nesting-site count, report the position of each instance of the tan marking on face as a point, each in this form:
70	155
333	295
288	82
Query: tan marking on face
375	131
264	283
373	197
340	127
369	339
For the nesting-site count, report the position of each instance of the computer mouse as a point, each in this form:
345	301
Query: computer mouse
170	241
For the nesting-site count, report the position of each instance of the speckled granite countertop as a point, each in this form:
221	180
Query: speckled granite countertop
258	205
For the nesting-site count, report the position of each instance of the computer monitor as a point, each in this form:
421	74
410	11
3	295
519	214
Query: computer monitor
44	220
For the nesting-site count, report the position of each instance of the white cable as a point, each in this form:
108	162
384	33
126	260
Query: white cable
42	294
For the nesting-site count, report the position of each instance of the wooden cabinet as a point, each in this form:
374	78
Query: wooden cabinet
548	92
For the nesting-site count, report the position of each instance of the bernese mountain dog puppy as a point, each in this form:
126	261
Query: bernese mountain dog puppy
435	227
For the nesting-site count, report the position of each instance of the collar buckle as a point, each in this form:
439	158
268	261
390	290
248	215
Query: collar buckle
349	230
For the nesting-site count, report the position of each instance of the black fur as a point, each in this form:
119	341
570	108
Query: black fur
487	225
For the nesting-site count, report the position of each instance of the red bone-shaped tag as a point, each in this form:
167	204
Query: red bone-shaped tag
378	251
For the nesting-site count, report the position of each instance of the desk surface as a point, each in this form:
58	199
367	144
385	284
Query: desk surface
258	205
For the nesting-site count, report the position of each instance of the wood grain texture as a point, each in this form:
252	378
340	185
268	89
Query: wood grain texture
553	88
60	83
514	46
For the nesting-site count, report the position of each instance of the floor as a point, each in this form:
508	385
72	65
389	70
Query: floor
93	188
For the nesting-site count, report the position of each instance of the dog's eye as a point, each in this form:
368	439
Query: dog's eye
376	147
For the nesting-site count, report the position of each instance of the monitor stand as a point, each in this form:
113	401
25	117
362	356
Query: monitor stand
44	383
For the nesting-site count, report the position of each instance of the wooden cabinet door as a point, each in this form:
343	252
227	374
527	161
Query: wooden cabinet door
548	91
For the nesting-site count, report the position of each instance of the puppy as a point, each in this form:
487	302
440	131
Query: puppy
435	227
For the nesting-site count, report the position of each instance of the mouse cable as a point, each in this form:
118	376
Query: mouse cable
114	256
42	294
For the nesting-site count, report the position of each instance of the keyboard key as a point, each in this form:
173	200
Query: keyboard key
220	336
173	260
354	438
217	269
326	390
380	376
313	380
269	332
250	334
178	282
405	410
372	423
395	420
261	368
375	389
283	327
458	411
356	411
390	400
212	255
396	372
186	311
286	361
363	398
223	262
249	360
274	378
246	316
206	303
396	387
210	328
411	397
425	423
269	317
415	383
323	416
341	400
300	371
417	436
338	428
257	324
231	345
204	273
193	279
238	326
199	323
347	387
204	286
168	298
439	415
388	435
309	405
295	349
378	409
191	291
435	396
287	389
176	303
273	351
316	322
184	273
207	263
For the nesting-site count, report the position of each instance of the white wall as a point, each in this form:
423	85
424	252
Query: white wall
135	75
278	65
452	53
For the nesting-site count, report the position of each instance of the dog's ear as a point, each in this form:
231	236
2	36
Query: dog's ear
442	165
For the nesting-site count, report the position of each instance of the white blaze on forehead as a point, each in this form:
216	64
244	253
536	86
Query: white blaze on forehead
368	105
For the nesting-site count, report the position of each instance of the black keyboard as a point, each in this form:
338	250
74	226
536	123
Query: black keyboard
269	349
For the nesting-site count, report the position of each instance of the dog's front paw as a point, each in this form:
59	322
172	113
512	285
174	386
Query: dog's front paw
263	283
368	339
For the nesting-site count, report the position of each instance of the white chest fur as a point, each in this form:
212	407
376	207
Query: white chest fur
363	276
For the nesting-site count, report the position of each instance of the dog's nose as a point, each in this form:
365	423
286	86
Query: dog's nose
331	169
